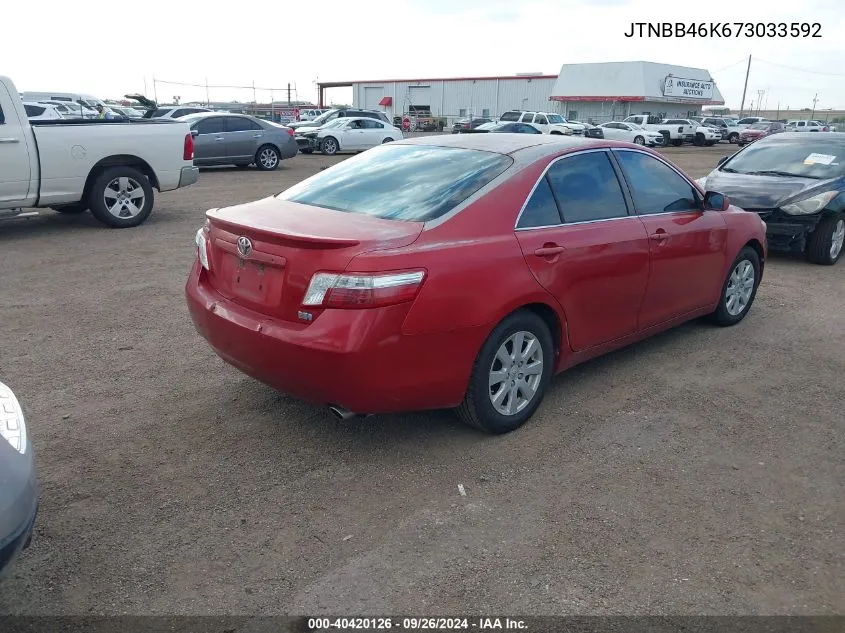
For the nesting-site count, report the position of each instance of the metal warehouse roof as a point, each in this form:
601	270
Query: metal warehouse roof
329	84
626	81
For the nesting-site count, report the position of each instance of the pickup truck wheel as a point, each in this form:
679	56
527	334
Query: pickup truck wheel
739	289
121	197
267	158
826	242
510	374
733	137
678	142
71	208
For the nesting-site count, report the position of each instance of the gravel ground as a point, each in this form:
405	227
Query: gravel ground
698	472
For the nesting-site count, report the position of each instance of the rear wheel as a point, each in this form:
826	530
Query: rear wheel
510	374
329	146
826	241
639	140
121	197
387	140
710	143
267	158
739	289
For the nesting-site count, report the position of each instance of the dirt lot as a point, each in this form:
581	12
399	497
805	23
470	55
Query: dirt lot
698	472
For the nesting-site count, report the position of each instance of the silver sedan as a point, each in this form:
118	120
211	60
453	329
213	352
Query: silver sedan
239	139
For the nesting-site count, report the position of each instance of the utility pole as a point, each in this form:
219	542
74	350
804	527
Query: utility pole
155	90
760	94
207	98
288	94
254	99
747	70
815	100
777	116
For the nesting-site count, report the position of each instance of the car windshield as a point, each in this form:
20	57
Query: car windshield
556	118
778	154
401	182
324	117
336	122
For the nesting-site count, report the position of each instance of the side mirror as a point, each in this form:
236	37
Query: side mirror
714	201
194	133
722	161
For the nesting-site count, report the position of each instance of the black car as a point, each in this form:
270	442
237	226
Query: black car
468	124
515	128
796	183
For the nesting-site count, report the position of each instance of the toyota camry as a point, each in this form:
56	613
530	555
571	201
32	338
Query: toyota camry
464	271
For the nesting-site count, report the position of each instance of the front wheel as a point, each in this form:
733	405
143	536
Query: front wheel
699	140
826	241
267	158
329	146
733	137
639	140
387	140
678	142
121	197
739	289
510	374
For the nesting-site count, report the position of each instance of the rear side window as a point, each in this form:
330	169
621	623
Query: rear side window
510	116
655	186
586	188
416	183
240	124
541	208
528	117
211	125
34	110
161	112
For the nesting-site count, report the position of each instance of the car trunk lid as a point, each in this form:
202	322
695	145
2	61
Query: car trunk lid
264	253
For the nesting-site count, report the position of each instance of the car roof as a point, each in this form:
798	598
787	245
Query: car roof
510	143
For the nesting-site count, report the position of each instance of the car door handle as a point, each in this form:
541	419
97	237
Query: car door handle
549	250
10	139
219	138
659	236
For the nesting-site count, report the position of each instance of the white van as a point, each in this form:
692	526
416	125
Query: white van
85	103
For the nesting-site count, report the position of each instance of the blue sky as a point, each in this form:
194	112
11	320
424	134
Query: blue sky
120	50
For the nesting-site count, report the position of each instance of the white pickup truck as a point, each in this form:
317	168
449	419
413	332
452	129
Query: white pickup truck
107	166
672	134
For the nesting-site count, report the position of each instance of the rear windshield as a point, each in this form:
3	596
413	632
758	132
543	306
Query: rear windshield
808	158
511	116
161	112
415	183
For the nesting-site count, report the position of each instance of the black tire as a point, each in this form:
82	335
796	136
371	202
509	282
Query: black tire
387	140
71	208
329	146
820	245
710	143
678	142
733	137
477	409
699	140
267	158
722	315
639	140
122	218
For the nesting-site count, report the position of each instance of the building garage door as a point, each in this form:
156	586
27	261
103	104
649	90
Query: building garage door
372	96
419	98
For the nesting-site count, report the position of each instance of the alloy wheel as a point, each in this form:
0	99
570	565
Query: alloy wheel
740	288
516	373
124	197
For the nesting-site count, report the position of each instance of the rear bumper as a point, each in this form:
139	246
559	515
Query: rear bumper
356	359
189	176
289	150
17	541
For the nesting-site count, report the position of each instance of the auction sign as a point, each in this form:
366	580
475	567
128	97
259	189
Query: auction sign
687	88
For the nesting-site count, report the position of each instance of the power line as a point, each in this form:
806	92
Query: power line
736	63
249	87
803	70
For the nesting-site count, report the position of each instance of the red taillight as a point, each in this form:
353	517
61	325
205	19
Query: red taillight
188	151
290	131
364	290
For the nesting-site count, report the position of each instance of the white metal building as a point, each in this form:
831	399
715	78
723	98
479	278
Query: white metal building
611	91
455	97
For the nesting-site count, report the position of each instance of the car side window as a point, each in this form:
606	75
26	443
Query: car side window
527	117
240	124
586	188
211	125
541	208
541	120
528	129
656	187
2	116
373	124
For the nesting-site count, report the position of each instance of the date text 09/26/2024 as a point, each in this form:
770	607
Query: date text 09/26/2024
724	29
415	624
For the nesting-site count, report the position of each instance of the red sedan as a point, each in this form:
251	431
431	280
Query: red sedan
759	130
464	271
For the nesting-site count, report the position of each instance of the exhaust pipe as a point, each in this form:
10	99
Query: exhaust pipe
342	414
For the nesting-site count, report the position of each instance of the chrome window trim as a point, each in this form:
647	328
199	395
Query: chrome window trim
603	150
670	166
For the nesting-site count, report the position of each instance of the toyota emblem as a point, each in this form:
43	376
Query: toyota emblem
244	246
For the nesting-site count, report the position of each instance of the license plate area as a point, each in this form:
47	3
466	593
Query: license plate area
251	281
